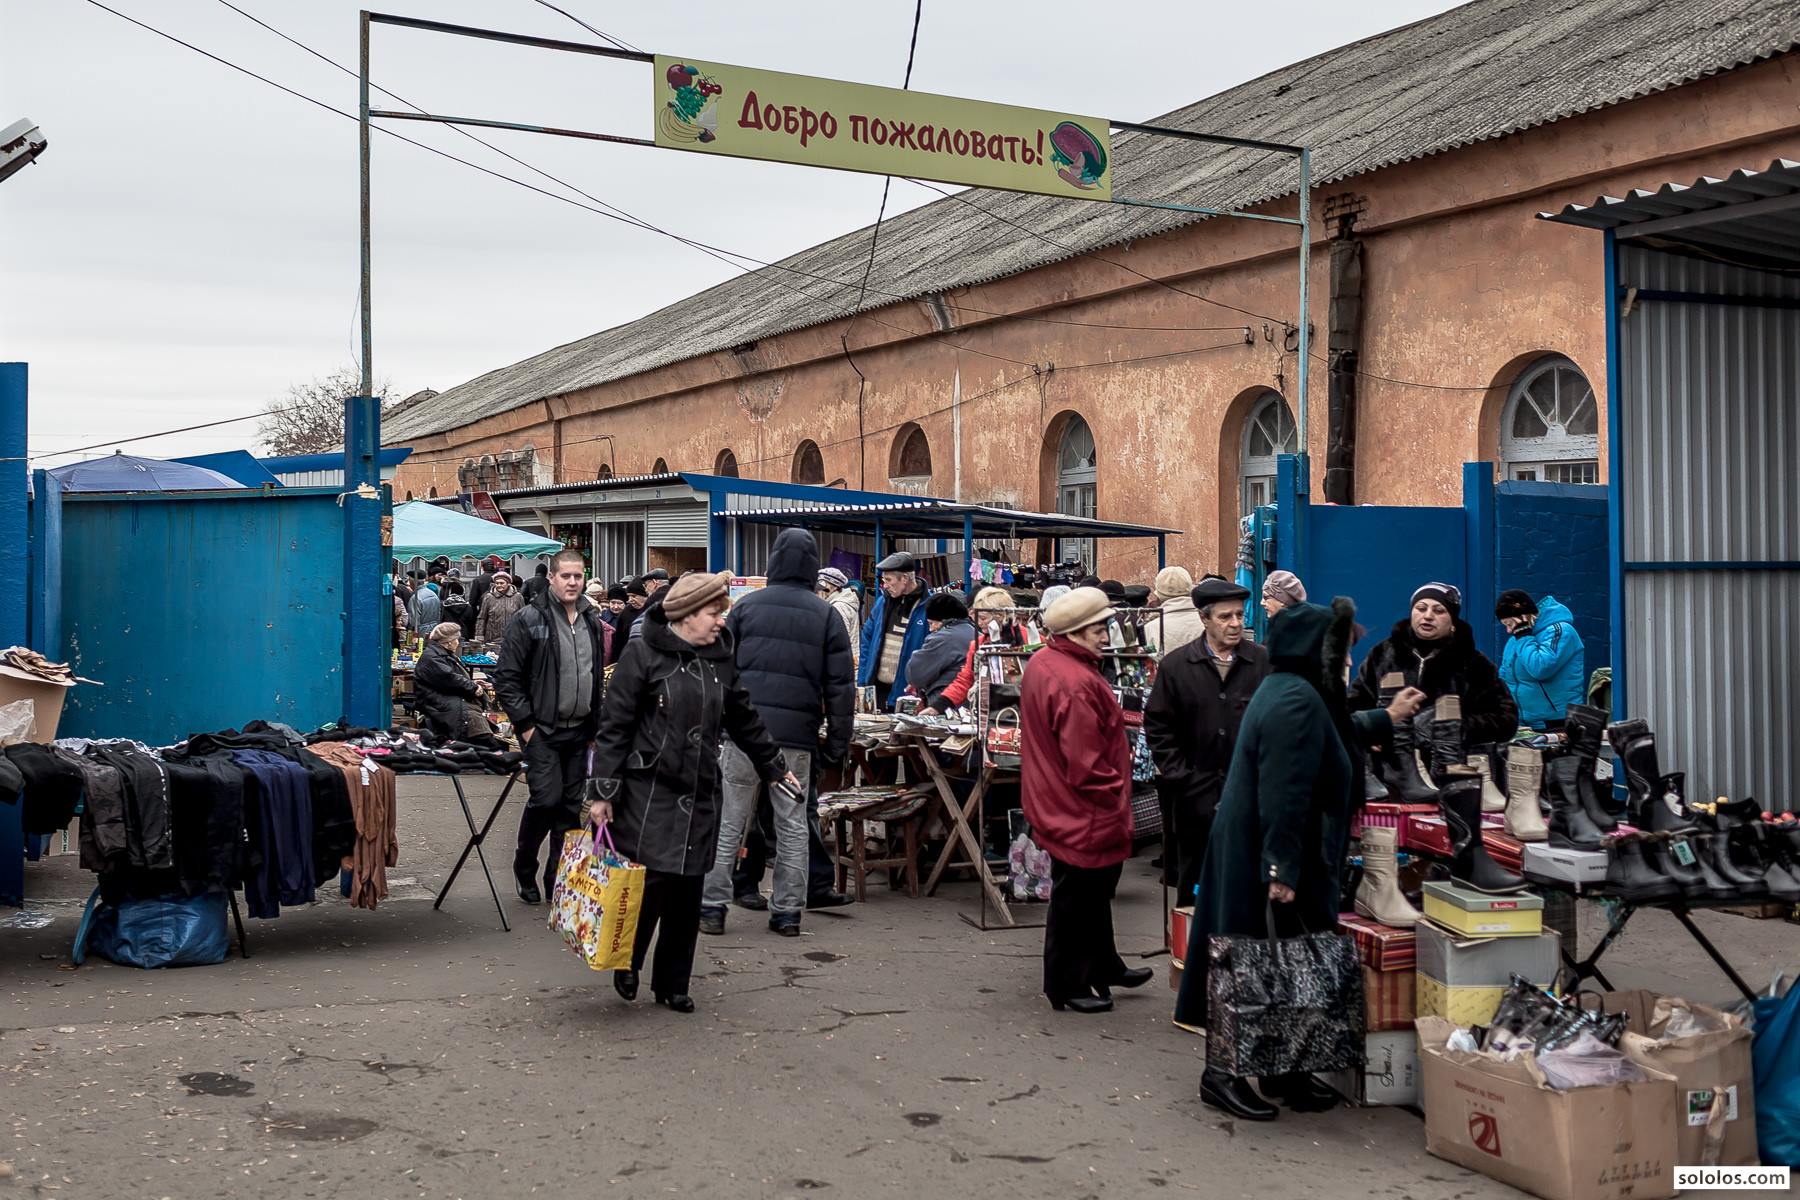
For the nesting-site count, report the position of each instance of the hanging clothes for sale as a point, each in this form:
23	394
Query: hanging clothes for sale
373	799
279	821
52	787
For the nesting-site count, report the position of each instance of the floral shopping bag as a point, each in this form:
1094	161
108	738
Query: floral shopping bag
595	904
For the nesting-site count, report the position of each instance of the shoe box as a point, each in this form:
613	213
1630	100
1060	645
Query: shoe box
1180	922
1428	834
1383	947
1389	1074
1471	913
1386	814
1462	979
1503	1119
1565	865
1709	1054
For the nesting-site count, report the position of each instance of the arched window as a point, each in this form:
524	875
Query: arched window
434	494
1268	432
725	464
809	464
909	463
605	471
1550	428
1077	484
409	494
660	467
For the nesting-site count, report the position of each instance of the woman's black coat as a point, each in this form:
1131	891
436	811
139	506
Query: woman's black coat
443	688
656	756
1448	667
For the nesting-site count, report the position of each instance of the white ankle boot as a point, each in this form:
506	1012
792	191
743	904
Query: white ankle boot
1379	897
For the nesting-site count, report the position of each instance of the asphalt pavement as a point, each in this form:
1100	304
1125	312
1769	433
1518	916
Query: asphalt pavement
892	1049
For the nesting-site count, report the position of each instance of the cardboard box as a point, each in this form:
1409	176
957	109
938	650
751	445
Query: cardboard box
1708	1066
1175	970
1503	1120
1477	914
1565	865
1463	1006
1390	1000
1180	921
1487	962
46	700
1383	947
1389	1074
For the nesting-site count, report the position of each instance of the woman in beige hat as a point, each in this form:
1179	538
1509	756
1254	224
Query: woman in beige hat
672	698
1180	621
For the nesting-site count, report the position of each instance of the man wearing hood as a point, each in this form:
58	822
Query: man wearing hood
1543	664
793	658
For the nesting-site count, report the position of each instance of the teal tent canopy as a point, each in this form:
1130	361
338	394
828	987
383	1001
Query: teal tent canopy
423	530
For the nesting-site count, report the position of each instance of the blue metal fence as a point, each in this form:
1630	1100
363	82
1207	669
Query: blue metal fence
203	610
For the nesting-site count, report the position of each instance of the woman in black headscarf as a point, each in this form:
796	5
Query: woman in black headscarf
1283	822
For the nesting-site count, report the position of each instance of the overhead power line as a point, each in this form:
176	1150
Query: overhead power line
599	33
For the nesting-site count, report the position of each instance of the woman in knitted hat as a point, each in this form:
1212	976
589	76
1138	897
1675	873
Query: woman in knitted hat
1282	589
672	698
1434	650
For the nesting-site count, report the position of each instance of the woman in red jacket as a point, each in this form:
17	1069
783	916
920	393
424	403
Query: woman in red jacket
1075	782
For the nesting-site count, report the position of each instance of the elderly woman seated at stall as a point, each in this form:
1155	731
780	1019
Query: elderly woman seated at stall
449	697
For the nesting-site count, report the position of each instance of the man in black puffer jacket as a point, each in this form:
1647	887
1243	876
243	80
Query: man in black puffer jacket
793	657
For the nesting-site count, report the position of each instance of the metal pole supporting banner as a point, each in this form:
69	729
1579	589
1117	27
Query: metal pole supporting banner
368	327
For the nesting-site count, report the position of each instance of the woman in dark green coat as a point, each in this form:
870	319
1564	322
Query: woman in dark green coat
1283	823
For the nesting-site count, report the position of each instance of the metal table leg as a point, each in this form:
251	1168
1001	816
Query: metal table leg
1737	981
1589	967
238	919
476	837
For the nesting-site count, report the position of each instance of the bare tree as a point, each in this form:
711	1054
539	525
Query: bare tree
310	418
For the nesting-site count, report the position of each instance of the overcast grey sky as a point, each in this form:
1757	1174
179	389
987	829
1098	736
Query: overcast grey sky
187	247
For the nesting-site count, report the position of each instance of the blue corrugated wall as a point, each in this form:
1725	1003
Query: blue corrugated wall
200	611
1545	538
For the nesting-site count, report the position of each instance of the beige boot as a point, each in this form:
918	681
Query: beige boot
1379	897
1524	784
1492	798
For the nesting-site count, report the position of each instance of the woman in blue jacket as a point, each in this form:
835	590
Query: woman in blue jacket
1543	664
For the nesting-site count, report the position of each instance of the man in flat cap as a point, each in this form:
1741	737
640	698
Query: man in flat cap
896	627
1191	722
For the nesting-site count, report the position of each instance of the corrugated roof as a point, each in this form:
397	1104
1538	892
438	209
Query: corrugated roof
1748	217
1481	71
944	518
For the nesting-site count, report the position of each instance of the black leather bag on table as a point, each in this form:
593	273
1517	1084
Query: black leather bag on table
1278	1006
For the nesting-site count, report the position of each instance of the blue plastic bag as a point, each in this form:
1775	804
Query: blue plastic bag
173	931
1775	1054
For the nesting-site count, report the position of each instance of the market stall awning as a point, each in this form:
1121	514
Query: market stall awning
423	530
946	519
121	472
1747	218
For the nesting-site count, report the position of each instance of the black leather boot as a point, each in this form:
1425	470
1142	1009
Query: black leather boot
1233	1094
1670	854
1398	768
1630	876
1738	852
1784	852
1459	801
1584	729
1570	827
1635	746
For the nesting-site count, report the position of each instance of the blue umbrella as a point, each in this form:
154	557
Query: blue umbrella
121	472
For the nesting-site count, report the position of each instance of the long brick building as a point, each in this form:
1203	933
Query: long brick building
1139	364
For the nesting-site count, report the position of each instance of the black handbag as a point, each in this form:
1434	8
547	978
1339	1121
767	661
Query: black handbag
1279	1006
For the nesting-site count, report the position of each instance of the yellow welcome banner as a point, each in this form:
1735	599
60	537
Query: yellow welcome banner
714	108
